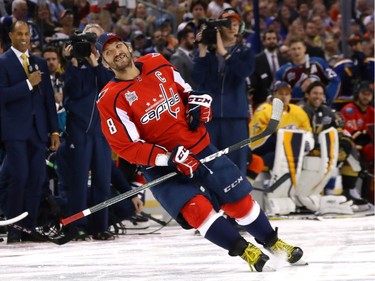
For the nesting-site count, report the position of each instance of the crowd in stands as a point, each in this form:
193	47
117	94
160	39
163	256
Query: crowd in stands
299	42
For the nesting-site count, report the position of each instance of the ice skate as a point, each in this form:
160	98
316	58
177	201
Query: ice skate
251	254
359	204
278	247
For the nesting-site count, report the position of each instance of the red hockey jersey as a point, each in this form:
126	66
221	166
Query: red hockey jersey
355	119
144	117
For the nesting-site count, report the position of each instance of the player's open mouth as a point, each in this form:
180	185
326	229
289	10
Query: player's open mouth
120	57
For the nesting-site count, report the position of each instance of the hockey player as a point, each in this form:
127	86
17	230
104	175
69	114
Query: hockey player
323	117
152	118
303	66
293	118
359	122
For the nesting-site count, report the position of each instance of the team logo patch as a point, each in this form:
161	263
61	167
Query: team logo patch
131	97
349	110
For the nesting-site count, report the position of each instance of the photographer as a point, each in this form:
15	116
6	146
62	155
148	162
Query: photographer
85	149
221	69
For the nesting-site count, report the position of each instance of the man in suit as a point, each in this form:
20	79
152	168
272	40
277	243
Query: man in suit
267	63
28	117
183	57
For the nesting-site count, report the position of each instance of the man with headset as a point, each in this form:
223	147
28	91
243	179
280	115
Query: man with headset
221	69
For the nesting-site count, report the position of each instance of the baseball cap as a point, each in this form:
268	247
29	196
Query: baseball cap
184	25
281	85
230	13
64	13
104	38
365	86
354	39
137	34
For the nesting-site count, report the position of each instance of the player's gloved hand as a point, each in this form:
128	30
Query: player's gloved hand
185	162
198	109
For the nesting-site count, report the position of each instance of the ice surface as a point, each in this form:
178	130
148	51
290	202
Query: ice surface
336	249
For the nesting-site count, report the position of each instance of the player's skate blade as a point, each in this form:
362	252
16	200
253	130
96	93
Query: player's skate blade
300	262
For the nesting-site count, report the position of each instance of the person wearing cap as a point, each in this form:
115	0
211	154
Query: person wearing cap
359	122
294	117
151	117
323	117
139	42
85	150
223	69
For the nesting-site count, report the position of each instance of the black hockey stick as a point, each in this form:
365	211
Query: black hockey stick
277	110
14	220
146	215
275	185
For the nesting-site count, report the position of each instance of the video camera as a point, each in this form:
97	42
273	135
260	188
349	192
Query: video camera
209	33
81	44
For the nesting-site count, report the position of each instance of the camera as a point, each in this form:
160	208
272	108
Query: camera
81	44
209	33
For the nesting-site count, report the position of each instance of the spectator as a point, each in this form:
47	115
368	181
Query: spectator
159	45
139	43
216	7
198	8
85	149
52	56
28	116
223	72
303	66
19	12
140	12
183	57
66	26
43	21
267	62
312	40
304	12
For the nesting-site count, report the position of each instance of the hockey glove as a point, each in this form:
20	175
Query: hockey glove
198	110
185	162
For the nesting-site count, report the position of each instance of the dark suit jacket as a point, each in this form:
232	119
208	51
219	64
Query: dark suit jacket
262	78
184	65
19	106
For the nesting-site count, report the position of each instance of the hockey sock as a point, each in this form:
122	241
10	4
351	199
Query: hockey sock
260	228
222	233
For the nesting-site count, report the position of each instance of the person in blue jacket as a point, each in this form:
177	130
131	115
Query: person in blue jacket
222	71
85	150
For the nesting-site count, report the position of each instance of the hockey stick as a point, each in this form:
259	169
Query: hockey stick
146	215
14	220
277	110
275	185
52	232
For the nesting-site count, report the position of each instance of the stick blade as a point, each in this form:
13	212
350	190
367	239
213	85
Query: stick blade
277	109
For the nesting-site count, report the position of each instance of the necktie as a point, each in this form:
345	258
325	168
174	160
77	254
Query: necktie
273	67
25	64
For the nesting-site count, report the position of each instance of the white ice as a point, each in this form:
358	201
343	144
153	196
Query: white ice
336	249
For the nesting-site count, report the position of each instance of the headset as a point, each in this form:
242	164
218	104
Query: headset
234	11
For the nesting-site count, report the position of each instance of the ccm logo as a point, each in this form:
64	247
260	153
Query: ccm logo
233	184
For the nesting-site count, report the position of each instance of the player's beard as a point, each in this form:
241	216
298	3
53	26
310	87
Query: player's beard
124	64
